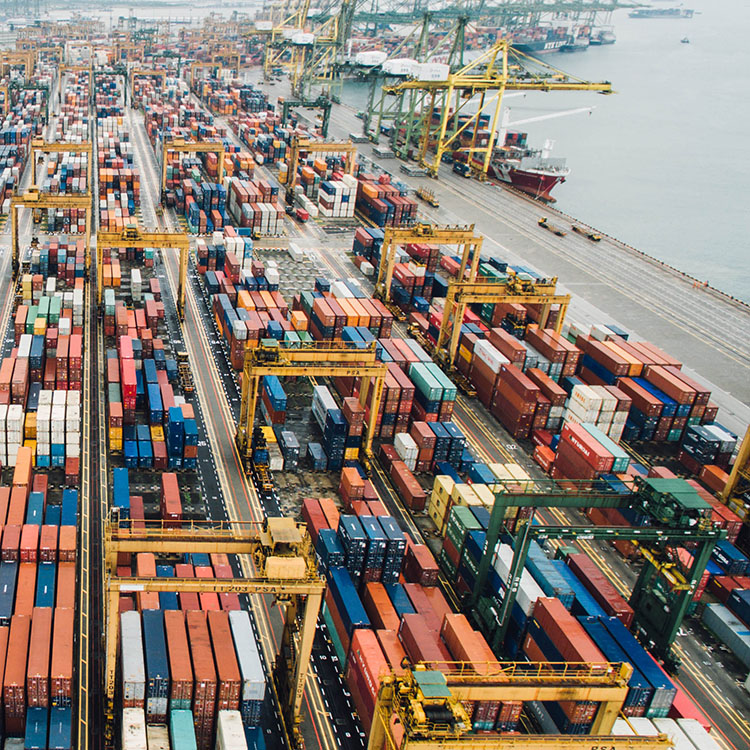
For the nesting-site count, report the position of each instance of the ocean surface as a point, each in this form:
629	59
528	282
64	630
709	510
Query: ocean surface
664	163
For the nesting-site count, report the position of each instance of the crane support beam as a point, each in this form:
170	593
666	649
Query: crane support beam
460	294
305	145
463	236
133	237
191	147
309	362
60	147
33	199
272	546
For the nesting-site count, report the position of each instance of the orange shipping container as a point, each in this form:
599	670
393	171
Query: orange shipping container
22	472
61	669
226	661
14	681
66	586
25	588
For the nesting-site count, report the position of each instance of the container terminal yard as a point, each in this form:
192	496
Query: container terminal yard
301	449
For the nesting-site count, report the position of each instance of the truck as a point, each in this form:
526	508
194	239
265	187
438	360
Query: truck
544	224
462	169
589	234
428	196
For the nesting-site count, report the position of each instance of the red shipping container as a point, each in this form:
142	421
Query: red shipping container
313	516
180	667
25	588
37	672
228	672
393	650
600	587
419	565
407	486
379	608
188	600
14	682
66	585
29	542
422	643
422	605
593	452
204	695
171	504
365	666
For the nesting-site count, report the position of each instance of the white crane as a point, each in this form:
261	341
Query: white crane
505	123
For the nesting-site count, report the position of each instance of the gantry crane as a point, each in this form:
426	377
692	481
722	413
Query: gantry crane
736	492
35	200
663	591
464	237
304	145
514	290
442	103
328	359
62	69
210	65
182	146
285	566
423	709
145	73
44	147
25	60
280	41
134	237
320	103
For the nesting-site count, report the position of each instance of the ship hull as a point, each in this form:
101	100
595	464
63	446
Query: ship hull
541	47
537	184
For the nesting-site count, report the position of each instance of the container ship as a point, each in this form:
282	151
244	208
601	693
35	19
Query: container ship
383	467
661	13
544	40
531	171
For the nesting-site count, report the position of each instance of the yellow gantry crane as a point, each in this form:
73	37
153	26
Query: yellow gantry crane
423	710
514	290
486	77
462	236
145	73
190	147
330	359
44	147
10	59
134	237
306	146
285	567
35	200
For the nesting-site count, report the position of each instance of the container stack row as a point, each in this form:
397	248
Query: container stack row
196	664
119	179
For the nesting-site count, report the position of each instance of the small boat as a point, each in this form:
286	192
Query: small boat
684	40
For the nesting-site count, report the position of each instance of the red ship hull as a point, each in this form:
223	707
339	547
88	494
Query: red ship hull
536	184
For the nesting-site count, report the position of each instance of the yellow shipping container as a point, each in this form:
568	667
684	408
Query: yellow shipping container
351	454
157	434
485	494
268	434
443	486
29	427
31	444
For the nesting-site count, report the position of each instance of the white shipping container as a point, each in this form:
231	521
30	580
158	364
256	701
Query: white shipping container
248	657
700	738
487	353
528	589
133	672
672	729
621	728
406	448
643	727
134	727
230	734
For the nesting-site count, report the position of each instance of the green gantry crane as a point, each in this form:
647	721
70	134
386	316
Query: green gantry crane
662	593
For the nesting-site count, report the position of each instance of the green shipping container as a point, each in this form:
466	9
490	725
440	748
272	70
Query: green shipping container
449	388
333	635
182	730
460	521
429	386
